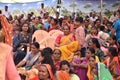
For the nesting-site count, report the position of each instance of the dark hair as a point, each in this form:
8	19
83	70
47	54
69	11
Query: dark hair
42	4
23	25
92	50
58	50
79	19
102	28
111	23
64	62
6	6
113	51
96	42
48	60
57	13
93	57
36	44
55	21
66	26
48	49
97	20
0	11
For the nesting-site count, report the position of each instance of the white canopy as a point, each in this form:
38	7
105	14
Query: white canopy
18	1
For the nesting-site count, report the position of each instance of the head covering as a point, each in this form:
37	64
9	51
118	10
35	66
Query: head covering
103	72
7	29
62	75
50	71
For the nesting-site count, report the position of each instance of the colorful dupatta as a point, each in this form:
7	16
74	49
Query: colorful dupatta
62	75
69	50
50	71
66	39
115	69
103	72
7	30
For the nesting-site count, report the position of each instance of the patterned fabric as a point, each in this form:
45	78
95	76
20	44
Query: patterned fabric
7	30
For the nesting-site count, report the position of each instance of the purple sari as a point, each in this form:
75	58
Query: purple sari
81	72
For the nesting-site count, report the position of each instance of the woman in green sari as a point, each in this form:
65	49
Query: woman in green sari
98	71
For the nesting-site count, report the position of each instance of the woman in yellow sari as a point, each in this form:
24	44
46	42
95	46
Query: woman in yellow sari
69	50
67	44
66	38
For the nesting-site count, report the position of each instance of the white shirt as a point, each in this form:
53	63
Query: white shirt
6	13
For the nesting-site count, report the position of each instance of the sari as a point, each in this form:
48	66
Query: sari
81	72
50	71
7	68
7	30
33	74
62	75
102	73
115	69
60	40
69	50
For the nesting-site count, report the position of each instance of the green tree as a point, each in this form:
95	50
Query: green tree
115	4
73	5
31	10
87	6
16	12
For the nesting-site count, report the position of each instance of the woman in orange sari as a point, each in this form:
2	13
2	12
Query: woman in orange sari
113	63
45	72
6	29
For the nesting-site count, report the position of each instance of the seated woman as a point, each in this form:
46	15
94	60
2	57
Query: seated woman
112	62
31	58
65	66
44	58
56	58
21	41
97	71
45	72
69	50
64	39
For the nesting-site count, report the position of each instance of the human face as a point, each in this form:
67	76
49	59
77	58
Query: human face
91	44
88	53
77	23
43	73
66	30
34	49
65	68
36	20
56	55
41	58
52	22
91	62
25	27
111	41
98	23
77	54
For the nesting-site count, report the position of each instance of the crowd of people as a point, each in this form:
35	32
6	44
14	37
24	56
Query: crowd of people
84	49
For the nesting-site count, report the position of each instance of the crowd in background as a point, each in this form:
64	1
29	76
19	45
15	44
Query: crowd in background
85	49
